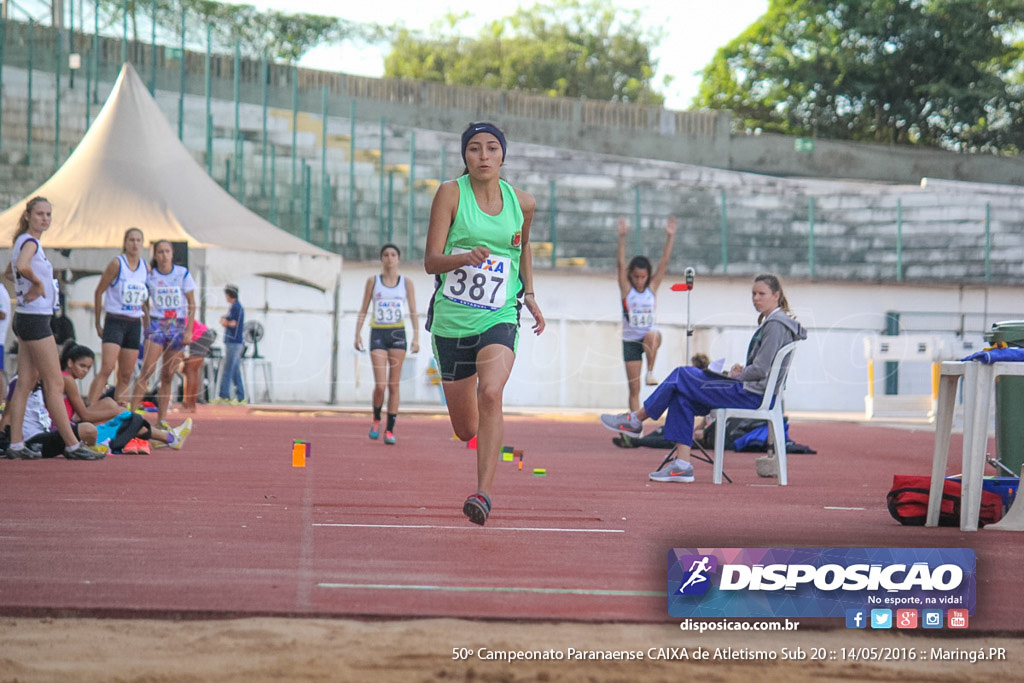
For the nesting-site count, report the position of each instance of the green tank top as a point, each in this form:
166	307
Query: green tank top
470	300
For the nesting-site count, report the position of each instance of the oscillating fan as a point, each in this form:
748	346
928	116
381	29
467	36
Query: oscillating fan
252	333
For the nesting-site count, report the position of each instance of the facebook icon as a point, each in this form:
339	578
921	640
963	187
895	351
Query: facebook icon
856	618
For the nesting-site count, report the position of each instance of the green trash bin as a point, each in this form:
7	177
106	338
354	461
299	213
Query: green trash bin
1009	400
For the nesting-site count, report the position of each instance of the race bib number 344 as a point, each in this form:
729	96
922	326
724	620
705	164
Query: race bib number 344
483	286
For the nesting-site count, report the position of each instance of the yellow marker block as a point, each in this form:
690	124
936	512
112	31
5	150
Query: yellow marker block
506	457
540	472
299	455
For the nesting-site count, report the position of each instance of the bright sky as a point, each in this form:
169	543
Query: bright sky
694	30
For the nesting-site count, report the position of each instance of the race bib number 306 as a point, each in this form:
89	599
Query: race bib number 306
483	286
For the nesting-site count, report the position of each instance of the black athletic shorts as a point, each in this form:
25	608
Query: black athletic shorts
456	356
52	442
32	326
123	331
632	350
387	338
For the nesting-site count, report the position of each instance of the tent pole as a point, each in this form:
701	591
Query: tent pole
334	340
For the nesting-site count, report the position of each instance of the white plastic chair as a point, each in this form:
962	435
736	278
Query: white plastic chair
766	411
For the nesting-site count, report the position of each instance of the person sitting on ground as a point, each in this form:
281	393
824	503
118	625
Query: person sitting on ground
76	362
38	430
689	391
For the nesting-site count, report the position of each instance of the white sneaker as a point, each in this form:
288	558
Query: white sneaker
181	433
651	380
677	470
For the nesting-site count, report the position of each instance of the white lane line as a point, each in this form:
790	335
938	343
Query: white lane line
829	507
468	528
493	589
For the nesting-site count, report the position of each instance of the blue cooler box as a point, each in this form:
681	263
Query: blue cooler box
1006	487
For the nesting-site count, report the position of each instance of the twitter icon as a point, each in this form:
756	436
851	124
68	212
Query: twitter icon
881	618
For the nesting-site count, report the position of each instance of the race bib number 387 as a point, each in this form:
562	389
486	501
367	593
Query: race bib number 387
483	286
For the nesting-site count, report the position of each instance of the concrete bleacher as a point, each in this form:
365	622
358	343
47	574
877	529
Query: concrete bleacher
766	219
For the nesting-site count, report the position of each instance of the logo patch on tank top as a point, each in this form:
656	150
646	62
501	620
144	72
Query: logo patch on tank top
517	239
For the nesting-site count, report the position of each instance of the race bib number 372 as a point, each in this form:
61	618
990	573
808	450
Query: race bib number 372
483	286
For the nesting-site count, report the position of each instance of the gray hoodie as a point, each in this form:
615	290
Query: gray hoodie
777	330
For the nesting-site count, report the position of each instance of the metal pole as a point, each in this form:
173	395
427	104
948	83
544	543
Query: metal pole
181	88
307	201
988	241
88	91
380	199
553	221
412	192
273	187
899	240
3	37
264	72
637	242
334	339
237	91
810	234
209	144
351	173
208	87
152	55
56	97
95	52
124	35
71	41
295	136
725	235
391	206
31	54
324	189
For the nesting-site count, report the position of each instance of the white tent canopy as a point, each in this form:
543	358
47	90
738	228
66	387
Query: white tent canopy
129	170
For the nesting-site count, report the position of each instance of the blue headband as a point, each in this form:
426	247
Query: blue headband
475	128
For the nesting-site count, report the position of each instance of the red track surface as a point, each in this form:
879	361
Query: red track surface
228	527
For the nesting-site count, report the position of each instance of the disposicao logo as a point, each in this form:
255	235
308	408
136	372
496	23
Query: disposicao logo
818	582
697	579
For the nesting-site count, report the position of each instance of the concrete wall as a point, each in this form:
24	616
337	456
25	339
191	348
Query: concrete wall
577	361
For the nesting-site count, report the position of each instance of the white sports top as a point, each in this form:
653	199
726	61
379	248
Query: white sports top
388	304
43	270
167	292
638	314
128	291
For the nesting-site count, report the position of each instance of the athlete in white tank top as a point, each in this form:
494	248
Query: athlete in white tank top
638	287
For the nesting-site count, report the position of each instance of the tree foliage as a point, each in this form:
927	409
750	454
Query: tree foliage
571	48
932	72
277	35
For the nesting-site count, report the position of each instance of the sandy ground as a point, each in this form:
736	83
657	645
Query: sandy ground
275	649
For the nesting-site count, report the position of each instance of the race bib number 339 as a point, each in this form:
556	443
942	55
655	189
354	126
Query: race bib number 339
483	286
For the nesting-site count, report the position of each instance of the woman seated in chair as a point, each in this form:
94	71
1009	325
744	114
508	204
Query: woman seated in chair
688	392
